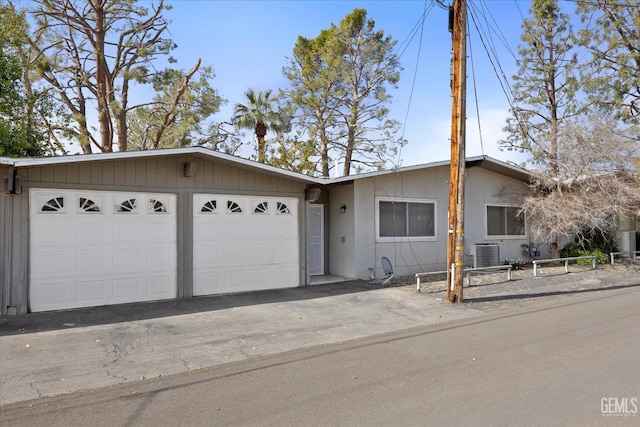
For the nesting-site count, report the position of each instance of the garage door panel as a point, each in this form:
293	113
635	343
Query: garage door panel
286	276
51	231
126	229
105	254
261	254
91	231
159	285
234	228
55	295
125	289
207	226
91	261
158	258
156	231
125	258
284	252
261	278
242	251
54	263
90	292
235	255
204	280
284	230
206	256
261	229
235	280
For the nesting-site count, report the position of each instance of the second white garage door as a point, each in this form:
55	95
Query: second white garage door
244	243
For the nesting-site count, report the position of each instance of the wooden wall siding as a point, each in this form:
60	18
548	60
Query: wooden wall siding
162	173
4	229
13	252
72	173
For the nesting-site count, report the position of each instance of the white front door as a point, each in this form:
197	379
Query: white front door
315	240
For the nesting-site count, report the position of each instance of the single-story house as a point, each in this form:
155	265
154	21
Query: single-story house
100	229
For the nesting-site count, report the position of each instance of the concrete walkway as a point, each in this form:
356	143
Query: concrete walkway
47	354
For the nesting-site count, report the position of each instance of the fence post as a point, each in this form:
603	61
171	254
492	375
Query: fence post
417	283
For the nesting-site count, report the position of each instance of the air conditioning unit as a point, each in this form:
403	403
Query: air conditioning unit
486	255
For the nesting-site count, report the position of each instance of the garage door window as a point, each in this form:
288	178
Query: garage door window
88	205
53	205
126	206
261	208
156	206
283	209
233	207
210	207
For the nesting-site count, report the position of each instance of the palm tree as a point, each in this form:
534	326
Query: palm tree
258	116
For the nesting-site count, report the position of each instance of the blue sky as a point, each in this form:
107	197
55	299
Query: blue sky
247	43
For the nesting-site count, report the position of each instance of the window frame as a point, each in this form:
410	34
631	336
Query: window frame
407	200
488	236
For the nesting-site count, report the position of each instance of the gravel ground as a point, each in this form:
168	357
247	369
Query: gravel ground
493	292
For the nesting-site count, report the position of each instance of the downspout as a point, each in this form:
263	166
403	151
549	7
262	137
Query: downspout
11	179
6	252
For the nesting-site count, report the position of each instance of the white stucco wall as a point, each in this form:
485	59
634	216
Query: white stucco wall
341	234
408	257
484	188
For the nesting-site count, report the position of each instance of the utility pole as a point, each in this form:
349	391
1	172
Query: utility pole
455	248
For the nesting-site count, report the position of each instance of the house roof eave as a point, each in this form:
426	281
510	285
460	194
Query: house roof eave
187	151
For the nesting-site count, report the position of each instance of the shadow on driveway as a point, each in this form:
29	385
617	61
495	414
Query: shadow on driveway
541	294
92	316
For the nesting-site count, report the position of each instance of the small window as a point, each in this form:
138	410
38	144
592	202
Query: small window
88	205
126	206
156	206
54	205
283	209
261	208
505	221
233	207
211	206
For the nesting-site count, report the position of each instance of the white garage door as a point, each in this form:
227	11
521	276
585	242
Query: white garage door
98	248
244	243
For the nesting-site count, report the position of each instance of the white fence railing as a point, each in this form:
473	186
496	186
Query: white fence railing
566	262
633	255
468	272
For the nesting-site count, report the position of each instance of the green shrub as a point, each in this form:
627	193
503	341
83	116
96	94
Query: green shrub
575	250
572	249
594	243
516	264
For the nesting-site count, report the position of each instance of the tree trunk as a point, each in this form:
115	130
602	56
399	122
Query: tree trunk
102	86
351	140
324	153
120	115
261	132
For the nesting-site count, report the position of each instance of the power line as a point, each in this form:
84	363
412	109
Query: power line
475	95
415	72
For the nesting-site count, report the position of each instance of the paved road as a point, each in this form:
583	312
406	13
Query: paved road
542	365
